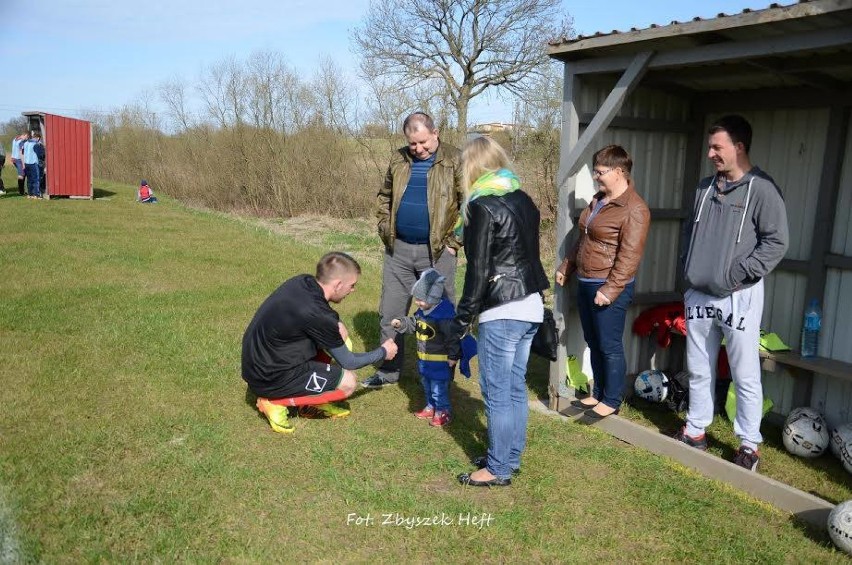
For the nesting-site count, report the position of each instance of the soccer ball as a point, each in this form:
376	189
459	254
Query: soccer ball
805	433
846	456
839	436
652	385
840	526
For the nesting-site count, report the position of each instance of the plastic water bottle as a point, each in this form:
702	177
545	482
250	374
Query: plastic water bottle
810	329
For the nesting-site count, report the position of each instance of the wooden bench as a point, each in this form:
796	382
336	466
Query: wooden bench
803	369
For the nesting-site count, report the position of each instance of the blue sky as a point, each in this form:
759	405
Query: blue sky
97	55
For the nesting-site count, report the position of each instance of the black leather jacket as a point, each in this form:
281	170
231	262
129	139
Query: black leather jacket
503	259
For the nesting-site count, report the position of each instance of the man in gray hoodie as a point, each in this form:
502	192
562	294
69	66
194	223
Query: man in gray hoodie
736	235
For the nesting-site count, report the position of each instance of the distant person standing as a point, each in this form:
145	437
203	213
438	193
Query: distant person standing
145	194
2	164
17	160
30	153
417	208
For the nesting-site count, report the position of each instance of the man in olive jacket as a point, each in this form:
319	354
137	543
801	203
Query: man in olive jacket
418	206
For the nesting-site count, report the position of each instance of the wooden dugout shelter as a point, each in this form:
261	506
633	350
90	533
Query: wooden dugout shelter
788	70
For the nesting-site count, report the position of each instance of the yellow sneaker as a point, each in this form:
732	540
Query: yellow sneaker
322	411
277	416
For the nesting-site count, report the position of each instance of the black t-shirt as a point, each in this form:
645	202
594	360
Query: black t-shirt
286	332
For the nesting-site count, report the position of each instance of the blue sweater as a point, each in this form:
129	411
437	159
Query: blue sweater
412	217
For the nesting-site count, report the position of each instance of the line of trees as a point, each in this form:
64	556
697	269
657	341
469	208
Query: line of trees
269	142
254	136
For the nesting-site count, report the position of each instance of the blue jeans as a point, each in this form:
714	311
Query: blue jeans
504	349
437	393
603	330
33	179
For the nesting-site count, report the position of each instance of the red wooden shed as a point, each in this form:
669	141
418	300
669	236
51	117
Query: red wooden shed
68	154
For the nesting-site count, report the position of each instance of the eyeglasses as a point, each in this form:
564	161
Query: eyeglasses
599	174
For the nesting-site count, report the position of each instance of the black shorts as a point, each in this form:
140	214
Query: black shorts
310	379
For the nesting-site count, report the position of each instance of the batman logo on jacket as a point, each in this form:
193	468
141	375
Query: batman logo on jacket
425	332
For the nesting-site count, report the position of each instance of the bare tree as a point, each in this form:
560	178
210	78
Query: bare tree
335	99
466	45
174	97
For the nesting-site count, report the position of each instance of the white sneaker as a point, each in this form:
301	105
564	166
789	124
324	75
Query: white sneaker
2	192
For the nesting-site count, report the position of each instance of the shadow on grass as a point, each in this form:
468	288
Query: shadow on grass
101	193
367	326
251	402
467	429
538	376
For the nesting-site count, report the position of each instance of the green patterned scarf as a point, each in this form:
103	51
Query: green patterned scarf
495	183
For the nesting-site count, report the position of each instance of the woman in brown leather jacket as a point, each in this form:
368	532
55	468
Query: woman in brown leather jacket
613	229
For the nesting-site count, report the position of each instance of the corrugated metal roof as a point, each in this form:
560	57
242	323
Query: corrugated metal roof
719	16
805	44
775	18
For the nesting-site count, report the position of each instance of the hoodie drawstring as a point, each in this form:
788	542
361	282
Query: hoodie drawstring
748	195
703	200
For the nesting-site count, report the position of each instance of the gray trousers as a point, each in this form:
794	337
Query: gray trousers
737	319
401	270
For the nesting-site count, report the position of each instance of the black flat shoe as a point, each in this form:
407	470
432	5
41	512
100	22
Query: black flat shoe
482	461
465	479
579	404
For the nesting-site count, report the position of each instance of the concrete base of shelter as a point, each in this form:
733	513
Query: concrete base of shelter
805	507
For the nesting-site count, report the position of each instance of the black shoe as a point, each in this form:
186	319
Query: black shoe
377	381
696	442
747	458
465	479
482	461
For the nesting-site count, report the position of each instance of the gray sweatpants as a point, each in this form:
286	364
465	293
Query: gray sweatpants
401	270
737	319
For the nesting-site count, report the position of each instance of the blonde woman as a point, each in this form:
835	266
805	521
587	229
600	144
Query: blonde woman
502	287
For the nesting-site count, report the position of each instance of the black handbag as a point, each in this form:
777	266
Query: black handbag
546	338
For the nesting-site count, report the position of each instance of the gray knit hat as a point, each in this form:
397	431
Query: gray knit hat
429	287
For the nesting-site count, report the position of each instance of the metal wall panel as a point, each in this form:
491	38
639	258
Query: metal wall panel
781	290
784	293
841	241
829	395
835	339
68	146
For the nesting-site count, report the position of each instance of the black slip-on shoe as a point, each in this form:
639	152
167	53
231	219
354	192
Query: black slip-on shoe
377	381
465	479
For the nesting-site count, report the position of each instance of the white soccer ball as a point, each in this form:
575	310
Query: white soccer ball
805	433
839	436
846	456
652	385
840	526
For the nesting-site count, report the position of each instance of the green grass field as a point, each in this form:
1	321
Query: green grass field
127	434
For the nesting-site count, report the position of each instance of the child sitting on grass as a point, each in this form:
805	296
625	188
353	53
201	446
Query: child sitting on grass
437	350
146	195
